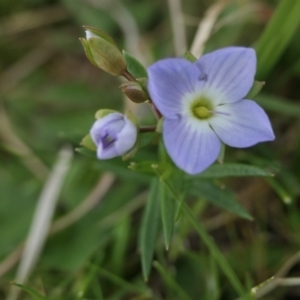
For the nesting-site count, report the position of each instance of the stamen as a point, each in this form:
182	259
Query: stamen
202	112
219	113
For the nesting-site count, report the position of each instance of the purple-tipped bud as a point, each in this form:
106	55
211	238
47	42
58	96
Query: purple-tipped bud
114	134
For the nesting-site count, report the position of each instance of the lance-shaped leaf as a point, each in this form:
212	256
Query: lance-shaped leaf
232	170
168	210
135	68
223	198
149	228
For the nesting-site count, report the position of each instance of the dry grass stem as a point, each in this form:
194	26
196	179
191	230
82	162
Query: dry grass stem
31	19
206	26
96	195
178	27
42	219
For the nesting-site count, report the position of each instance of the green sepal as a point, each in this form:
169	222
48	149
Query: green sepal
132	118
87	51
107	56
103	112
159	125
88	143
142	140
135	68
189	56
132	151
255	89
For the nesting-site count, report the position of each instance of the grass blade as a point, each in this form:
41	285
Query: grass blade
30	291
171	282
277	36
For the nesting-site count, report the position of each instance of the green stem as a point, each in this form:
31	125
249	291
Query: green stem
147	129
128	76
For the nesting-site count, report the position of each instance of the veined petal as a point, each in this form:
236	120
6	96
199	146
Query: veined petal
170	80
230	71
192	148
126	138
242	124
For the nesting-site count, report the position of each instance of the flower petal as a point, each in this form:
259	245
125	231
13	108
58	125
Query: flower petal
106	153
230	71
242	124
192	148
126	138
170	80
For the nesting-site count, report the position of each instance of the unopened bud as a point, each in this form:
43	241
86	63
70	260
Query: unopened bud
114	134
134	91
102	51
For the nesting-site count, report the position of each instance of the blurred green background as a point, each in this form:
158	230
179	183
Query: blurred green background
49	93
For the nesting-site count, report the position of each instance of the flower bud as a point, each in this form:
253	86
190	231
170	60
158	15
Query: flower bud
114	134
102	51
134	92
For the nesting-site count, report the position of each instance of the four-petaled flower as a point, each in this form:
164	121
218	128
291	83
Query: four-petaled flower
203	105
114	134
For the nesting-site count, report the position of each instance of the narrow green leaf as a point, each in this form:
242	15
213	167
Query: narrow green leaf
30	291
87	281
149	228
222	198
284	195
134	67
181	294
209	242
86	152
255	90
123	284
277	35
233	170
167	206
121	236
279	105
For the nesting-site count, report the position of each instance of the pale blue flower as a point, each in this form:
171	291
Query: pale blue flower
113	134
203	105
